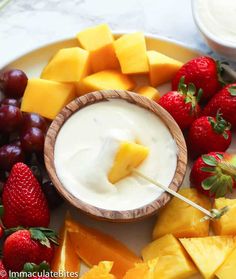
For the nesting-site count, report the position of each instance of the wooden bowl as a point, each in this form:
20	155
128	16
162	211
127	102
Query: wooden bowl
101	96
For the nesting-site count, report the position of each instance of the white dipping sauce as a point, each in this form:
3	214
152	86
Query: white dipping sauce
87	144
218	17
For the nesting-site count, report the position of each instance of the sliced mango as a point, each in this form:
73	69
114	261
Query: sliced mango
46	97
227	270
131	52
93	246
99	41
209	253
149	92
100	271
173	261
109	79
189	219
143	270
161	67
129	156
65	259
68	65
225	225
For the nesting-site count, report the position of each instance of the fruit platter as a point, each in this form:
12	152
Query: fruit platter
97	133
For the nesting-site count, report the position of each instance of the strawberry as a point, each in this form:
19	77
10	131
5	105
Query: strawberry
214	174
3	271
208	134
204	72
28	246
23	200
182	104
225	100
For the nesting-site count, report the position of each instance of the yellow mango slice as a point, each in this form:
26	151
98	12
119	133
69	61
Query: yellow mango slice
129	156
225	225
100	271
65	259
173	262
67	65
93	246
209	253
149	92
46	97
109	79
142	270
227	270
189	219
99	42
161	67
131	52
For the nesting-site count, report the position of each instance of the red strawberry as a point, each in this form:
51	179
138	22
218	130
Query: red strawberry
182	104
225	100
214	174
23	200
208	134
3	271
204	72
28	246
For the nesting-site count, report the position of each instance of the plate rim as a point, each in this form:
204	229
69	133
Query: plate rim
120	32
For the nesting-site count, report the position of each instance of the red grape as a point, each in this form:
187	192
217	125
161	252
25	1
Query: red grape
13	83
32	140
10	119
9	155
34	120
11	102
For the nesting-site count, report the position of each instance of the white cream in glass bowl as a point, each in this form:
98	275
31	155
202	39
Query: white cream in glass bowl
216	20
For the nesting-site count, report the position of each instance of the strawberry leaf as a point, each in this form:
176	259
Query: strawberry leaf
209	160
32	267
208	169
37	234
1	210
208	183
48	234
232	90
219	156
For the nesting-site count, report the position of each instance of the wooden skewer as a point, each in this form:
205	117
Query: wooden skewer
212	214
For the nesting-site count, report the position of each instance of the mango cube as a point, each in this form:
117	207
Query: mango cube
227	270
129	156
143	270
99	42
100	271
109	79
149	92
46	97
161	67
67	65
209	253
181	219
173	261
131	52
225	225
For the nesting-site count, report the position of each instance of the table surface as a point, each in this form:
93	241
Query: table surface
25	25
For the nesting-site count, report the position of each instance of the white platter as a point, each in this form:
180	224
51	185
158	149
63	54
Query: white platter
134	235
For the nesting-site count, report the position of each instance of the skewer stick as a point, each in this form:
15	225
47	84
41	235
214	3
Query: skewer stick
212	214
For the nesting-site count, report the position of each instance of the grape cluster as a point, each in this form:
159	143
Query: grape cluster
22	134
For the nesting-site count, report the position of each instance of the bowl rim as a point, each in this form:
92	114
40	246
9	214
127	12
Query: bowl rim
131	97
206	32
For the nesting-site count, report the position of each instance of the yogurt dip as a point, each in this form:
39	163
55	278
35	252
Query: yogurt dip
218	18
86	146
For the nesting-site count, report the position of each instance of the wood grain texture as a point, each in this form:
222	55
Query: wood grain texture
105	95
